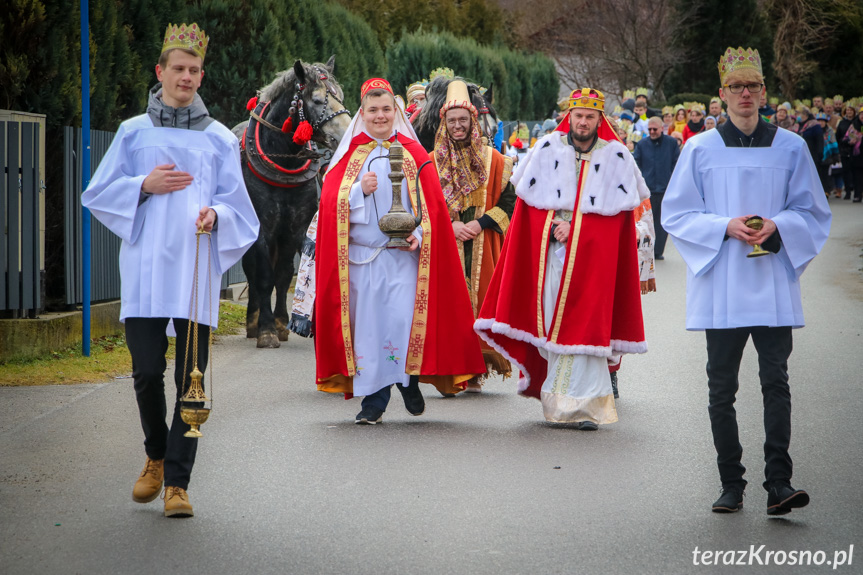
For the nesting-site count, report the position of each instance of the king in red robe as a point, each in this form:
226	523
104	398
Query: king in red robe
559	310
435	341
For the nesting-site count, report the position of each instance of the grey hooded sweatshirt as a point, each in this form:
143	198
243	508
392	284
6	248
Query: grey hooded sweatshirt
192	117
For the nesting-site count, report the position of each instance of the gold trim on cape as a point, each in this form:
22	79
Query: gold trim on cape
543	253
343	211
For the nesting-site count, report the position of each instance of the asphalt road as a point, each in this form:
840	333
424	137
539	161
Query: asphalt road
286	483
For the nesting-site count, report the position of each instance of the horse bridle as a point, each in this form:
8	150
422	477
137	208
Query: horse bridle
297	104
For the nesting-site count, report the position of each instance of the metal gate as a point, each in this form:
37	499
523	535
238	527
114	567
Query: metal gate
21	214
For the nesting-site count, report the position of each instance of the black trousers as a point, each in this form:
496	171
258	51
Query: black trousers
661	234
724	352
148	344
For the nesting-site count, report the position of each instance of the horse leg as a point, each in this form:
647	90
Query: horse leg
249	269
284	274
264	278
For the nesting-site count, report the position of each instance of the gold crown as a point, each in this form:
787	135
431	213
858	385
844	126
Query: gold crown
185	37
807	102
442	72
698	106
641	91
739	59
587	98
773	101
838	99
667	110
628	95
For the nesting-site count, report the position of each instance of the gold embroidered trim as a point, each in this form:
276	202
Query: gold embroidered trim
416	344
479	240
543	252
343	212
508	167
500	218
574	233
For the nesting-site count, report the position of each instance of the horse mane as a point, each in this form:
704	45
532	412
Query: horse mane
282	84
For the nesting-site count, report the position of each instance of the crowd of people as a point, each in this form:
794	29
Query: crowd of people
538	267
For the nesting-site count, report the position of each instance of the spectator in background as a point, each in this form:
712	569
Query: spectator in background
667	120
829	157
656	157
715	110
679	118
846	148
695	125
810	130
709	123
782	118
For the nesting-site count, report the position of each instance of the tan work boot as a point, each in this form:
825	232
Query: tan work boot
177	502
149	485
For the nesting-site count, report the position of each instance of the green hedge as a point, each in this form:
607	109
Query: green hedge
525	85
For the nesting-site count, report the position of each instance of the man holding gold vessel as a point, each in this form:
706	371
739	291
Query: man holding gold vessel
169	173
387	316
741	190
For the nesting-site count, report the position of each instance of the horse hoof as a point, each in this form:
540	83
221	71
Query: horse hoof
283	335
268	340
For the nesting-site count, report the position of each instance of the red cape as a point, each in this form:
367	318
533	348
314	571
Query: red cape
597	313
443	348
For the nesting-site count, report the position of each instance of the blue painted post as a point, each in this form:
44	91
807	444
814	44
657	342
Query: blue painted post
85	173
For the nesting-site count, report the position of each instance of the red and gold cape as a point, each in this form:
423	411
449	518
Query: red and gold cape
598	310
443	349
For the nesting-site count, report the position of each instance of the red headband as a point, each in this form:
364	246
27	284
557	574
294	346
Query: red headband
375	84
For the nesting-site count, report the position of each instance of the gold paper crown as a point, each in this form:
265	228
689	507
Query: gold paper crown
443	73
641	91
628	95
185	37
739	59
667	110
838	99
587	98
773	101
679	107
807	102
696	106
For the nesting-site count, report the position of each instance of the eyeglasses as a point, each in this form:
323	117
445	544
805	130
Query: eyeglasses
738	88
458	121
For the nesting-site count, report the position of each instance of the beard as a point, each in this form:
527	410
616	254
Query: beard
584	137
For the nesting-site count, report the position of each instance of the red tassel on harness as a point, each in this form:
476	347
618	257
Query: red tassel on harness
303	133
288	126
252	104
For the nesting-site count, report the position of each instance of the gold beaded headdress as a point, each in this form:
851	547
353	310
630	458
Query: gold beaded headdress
739	59
186	37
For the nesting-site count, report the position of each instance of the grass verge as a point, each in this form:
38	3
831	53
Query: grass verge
109	357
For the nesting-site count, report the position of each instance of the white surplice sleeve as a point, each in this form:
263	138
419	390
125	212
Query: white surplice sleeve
237	225
115	190
804	223
698	235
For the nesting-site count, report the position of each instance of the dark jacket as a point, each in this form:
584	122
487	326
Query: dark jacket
656	160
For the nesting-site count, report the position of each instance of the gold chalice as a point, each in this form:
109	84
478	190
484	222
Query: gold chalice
756	223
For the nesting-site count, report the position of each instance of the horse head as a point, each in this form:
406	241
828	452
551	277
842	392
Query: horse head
487	114
309	92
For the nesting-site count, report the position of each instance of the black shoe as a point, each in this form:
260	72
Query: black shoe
659	257
586	426
857	200
730	500
369	416
614	384
414	402
782	498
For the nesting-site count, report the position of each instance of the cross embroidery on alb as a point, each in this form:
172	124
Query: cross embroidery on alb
391	349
